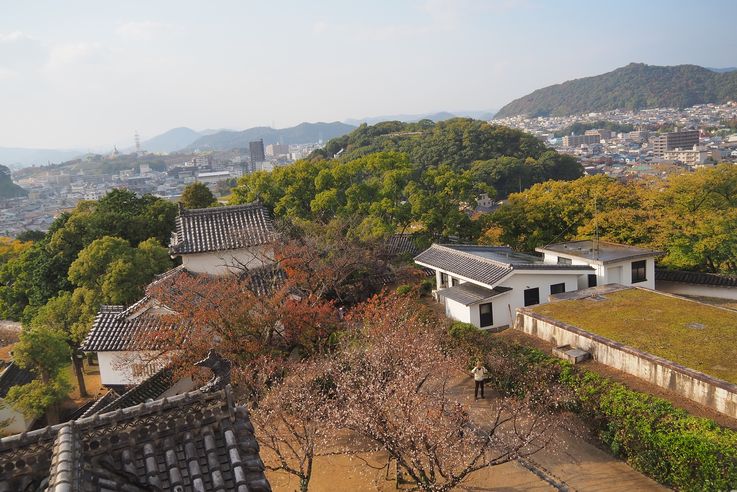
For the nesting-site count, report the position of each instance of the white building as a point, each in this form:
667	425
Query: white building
696	284
211	241
218	240
484	285
613	263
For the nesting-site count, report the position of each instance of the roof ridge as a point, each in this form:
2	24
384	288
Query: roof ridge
473	256
223	209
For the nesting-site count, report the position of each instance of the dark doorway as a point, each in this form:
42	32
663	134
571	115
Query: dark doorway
486	317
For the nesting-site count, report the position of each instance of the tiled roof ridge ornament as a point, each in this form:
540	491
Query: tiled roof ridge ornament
220	367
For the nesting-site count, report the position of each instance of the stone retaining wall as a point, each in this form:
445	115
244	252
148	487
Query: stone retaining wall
709	391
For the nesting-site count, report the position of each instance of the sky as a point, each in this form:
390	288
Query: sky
89	74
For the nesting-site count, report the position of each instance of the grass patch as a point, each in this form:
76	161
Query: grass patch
695	335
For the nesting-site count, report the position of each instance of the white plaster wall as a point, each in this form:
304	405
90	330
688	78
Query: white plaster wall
711	392
457	311
684	289
17	422
604	273
118	367
222	262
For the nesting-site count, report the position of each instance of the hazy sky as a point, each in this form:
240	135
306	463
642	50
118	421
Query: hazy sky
89	73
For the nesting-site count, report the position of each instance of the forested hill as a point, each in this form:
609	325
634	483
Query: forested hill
636	86
458	142
8	189
303	133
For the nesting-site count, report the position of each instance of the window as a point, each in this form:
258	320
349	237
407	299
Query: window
639	271
443	280
485	316
592	280
558	288
564	261
454	281
532	296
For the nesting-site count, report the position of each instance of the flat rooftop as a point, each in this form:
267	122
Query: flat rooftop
599	250
695	335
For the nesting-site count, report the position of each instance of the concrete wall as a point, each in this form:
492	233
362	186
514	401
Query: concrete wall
694	385
457	311
128	367
685	289
222	262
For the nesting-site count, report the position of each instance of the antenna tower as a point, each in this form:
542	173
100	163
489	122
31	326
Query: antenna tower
137	139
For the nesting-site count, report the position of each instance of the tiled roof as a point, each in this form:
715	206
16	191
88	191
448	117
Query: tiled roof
398	244
150	389
114	329
197	441
484	264
97	405
13	375
469	266
698	278
265	280
201	230
468	293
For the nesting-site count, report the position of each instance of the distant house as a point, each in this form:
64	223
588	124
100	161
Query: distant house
219	240
484	285
613	263
696	284
13	375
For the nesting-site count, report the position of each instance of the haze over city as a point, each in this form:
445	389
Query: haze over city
83	74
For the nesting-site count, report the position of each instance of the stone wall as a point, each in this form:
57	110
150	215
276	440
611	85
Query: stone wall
709	391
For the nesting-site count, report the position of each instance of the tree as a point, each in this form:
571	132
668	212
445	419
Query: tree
391	383
291	421
197	195
44	351
71	314
118	272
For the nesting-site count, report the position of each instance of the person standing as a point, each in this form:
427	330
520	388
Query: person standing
479	375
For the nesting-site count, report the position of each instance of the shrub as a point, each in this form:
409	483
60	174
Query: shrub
426	287
403	290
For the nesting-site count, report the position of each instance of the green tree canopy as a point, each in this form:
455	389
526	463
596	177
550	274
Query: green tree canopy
197	195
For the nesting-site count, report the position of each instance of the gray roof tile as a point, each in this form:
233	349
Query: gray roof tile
698	278
197	440
468	293
14	375
201	230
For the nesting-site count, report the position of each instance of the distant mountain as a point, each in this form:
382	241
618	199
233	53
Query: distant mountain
8	189
300	134
723	70
412	118
174	139
636	86
17	157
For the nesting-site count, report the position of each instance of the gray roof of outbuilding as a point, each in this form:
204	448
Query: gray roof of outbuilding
485	264
601	251
697	278
198	441
468	293
202	230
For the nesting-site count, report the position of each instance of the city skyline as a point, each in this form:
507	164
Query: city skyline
88	75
